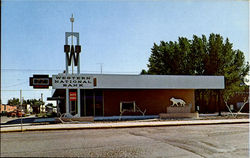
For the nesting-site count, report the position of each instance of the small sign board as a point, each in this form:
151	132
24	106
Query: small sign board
40	81
72	96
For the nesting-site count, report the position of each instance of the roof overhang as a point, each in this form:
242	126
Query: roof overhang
159	82
110	81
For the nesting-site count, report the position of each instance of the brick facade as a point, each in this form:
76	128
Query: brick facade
154	101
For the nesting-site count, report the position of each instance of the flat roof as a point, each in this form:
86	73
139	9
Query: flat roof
118	81
107	81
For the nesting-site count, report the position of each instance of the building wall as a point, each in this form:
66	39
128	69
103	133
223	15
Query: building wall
154	101
7	108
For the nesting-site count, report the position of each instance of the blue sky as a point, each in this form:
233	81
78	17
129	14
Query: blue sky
118	34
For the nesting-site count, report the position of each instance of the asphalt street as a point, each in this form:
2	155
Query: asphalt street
227	140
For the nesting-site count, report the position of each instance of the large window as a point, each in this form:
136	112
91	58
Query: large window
91	102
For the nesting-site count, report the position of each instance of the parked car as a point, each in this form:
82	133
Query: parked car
20	113
11	114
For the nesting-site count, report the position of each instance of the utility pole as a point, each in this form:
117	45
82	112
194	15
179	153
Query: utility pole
41	96
21	102
42	102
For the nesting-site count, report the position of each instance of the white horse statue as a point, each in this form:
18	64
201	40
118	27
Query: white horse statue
177	102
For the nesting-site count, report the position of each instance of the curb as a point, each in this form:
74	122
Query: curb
120	125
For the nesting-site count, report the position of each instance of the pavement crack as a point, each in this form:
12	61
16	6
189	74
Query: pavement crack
184	147
173	143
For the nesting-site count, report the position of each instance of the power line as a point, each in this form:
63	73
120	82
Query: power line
31	70
57	70
26	90
16	84
60	70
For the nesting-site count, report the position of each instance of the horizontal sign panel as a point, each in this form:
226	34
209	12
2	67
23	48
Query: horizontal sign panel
40	81
71	81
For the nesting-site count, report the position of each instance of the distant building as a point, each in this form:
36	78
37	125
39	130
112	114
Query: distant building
42	108
27	108
7	108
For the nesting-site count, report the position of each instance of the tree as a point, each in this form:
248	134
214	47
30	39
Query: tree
13	102
143	72
35	104
200	56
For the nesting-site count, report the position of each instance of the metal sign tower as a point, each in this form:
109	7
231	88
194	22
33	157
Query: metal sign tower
72	57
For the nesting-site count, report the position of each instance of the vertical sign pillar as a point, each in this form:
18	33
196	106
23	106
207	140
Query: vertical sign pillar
78	90
72	55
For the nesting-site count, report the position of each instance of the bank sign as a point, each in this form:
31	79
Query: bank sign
63	81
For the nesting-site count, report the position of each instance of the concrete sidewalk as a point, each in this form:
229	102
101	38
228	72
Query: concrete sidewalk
127	124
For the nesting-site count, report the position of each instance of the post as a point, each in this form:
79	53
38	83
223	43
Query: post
21	102
41	96
67	101
72	21
42	103
57	107
78	66
100	66
78	103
